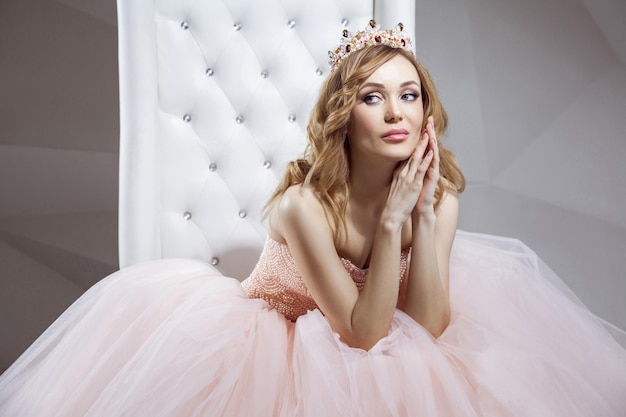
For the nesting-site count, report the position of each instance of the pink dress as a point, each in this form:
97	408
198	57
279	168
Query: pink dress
175	338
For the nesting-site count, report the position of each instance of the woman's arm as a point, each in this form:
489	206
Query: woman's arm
428	300
360	318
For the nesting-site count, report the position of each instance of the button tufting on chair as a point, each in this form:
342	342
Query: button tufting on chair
166	169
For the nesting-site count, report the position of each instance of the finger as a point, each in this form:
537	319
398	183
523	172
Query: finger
434	146
433	168
416	157
433	143
430	128
433	173
425	164
422	145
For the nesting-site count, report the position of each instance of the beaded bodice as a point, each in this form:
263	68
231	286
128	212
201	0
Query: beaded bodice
276	279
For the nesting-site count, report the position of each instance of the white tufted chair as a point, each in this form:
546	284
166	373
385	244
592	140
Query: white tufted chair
215	96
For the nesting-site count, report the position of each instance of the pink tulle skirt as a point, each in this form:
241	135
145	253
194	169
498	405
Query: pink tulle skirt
175	338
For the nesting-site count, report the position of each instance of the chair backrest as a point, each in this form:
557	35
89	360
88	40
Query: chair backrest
214	100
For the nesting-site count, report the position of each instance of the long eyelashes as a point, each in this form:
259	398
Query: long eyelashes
410	96
373	98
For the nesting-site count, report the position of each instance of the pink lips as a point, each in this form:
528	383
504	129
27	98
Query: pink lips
396	135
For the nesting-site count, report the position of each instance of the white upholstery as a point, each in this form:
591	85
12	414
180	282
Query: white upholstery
214	100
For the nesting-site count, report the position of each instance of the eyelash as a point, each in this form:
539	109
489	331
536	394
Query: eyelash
367	99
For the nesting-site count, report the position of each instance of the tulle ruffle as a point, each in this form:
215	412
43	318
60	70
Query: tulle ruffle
175	338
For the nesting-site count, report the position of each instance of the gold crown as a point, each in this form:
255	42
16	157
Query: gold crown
372	35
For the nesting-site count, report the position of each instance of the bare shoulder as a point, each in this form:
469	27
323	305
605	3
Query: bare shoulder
449	204
299	200
299	220
298	208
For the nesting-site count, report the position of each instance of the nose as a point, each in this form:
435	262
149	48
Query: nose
393	113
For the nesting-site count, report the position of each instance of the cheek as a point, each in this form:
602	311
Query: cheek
358	125
419	117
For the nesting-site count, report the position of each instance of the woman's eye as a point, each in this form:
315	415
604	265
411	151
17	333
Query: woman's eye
410	96
371	99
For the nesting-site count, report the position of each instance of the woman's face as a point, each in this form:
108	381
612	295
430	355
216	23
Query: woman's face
386	121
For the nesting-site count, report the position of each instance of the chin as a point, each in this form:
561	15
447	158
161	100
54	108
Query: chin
402	153
399	157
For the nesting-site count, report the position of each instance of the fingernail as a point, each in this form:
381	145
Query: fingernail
430	153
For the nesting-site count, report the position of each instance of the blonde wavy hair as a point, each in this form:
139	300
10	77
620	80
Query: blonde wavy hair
325	165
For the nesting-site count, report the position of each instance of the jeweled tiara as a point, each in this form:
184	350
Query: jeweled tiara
372	35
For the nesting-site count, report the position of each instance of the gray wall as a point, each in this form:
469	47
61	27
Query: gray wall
536	93
535	90
59	135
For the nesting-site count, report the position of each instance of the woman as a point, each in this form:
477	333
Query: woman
439	323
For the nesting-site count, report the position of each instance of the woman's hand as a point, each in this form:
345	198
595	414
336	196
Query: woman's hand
409	182
426	201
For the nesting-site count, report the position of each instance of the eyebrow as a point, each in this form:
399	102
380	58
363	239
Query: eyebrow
378	85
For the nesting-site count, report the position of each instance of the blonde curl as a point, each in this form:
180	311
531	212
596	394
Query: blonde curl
325	164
